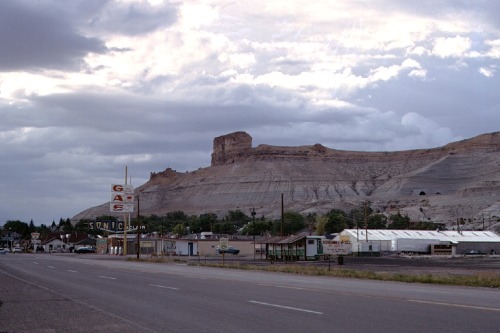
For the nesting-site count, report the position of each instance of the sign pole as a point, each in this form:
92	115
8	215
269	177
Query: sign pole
122	201
125	227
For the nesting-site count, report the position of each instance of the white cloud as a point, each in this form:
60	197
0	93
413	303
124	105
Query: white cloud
451	47
488	72
494	51
418	51
418	73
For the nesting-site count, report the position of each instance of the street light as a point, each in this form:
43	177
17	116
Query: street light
62	240
67	240
253	229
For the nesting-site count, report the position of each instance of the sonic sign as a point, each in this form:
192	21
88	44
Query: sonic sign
122	199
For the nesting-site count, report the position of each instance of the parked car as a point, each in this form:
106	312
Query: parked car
85	250
17	250
472	252
3	251
229	249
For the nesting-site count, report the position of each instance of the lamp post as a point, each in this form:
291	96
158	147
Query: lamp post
62	240
67	240
253	230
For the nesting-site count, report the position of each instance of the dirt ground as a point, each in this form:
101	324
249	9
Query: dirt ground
424	264
443	265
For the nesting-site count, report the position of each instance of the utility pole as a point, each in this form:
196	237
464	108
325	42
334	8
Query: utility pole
253	229
125	221
138	229
162	239
282	215
366	222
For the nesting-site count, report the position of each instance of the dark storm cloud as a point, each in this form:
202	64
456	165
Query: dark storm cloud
33	38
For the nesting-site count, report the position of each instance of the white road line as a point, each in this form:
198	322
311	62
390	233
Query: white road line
35	263
50	266
288	287
71	271
455	305
286	307
164	287
107	277
280	286
437	292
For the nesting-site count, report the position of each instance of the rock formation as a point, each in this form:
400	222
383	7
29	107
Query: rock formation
459	180
229	147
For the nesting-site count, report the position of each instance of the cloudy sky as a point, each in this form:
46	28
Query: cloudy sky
88	87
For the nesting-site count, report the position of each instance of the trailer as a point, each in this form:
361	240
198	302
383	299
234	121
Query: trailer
409	245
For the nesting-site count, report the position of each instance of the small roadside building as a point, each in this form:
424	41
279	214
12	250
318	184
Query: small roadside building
64	242
192	245
289	248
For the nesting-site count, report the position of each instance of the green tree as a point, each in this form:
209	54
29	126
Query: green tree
310	221
19	227
43	230
237	218
320	225
359	217
261	226
399	222
207	220
83	227
336	221
292	223
427	225
377	221
180	230
32	226
173	218
225	227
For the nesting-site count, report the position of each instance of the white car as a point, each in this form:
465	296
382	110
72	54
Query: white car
3	251
17	250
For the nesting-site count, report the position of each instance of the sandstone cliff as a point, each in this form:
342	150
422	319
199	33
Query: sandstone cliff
461	179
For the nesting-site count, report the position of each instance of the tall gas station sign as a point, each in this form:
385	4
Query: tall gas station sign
122	198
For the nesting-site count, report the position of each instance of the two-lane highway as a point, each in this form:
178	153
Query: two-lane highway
176	297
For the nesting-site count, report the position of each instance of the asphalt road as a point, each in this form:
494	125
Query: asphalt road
88	293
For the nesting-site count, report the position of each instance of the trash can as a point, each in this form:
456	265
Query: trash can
340	260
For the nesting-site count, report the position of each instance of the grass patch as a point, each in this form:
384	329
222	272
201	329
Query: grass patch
156	259
489	280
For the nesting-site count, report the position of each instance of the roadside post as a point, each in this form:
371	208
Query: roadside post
223	245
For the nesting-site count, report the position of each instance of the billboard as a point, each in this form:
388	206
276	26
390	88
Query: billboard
336	248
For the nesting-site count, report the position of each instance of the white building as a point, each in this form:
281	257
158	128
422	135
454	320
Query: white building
377	241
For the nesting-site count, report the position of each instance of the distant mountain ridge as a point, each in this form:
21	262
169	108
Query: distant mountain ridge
459	180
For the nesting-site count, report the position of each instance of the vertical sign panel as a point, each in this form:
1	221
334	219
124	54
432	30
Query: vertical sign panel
122	199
